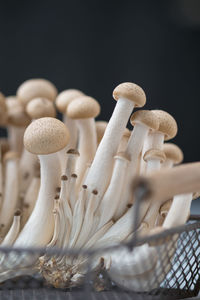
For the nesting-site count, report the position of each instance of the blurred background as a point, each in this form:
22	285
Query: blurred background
95	45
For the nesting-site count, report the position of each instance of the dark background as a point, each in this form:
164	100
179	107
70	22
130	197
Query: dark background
95	45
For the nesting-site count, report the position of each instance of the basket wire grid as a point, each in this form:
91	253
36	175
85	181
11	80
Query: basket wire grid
176	276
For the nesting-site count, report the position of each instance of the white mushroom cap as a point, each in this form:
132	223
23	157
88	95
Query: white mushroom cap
34	88
40	108
130	91
173	152
167	124
65	97
83	108
16	113
45	136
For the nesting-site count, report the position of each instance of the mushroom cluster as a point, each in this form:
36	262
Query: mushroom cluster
69	184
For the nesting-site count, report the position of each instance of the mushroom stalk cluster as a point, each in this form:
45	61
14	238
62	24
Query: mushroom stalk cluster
72	183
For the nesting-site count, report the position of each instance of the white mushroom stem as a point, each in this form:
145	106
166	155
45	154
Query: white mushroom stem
72	126
39	228
152	165
113	195
179	211
13	231
134	147
72	191
147	146
26	170
158	140
88	221
87	145
101	167
30	199
15	137
56	229
72	156
167	164
11	190
78	217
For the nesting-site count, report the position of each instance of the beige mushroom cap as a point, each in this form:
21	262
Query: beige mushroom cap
65	97
16	113
83	108
3	110
168	125
130	91
154	154
100	129
34	88
45	136
40	108
145	117
173	152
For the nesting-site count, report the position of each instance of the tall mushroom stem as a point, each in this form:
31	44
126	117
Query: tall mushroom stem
111	198
87	146
15	137
101	168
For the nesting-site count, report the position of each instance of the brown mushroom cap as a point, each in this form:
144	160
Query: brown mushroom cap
100	129
34	88
154	154
3	110
130	91
167	124
10	155
40	108
83	108
173	152
65	97
145	117
45	136
16	113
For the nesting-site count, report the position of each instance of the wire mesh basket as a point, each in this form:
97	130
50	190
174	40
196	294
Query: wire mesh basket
171	258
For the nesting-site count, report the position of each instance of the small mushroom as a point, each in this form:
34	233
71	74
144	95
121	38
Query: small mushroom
84	109
124	140
174	155
154	158
34	88
128	96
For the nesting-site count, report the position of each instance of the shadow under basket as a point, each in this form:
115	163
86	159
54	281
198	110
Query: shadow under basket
175	277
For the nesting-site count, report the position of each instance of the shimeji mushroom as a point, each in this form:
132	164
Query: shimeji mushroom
11	189
84	109
133	270
13	231
143	121
16	123
124	140
128	96
44	137
62	101
34	88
